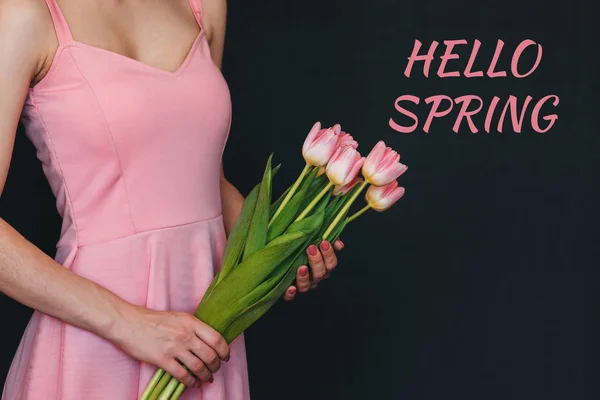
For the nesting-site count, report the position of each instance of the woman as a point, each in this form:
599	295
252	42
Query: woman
129	113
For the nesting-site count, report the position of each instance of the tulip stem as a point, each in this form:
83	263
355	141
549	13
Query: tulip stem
169	390
160	386
287	198
178	392
344	210
153	382
315	201
358	213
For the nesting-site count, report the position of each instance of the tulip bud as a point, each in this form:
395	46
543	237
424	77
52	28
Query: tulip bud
382	165
342	190
320	144
380	198
345	139
344	165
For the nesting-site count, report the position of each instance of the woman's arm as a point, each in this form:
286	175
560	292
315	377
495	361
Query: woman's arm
28	275
231	202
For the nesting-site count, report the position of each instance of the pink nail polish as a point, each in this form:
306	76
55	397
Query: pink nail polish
312	250
304	271
325	246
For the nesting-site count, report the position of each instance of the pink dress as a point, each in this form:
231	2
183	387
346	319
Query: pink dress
133	156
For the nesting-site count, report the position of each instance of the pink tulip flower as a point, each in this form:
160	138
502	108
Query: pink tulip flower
320	144
345	139
382	165
342	190
380	198
344	165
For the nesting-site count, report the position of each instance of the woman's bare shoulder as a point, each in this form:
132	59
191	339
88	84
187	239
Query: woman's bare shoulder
29	15
27	32
26	21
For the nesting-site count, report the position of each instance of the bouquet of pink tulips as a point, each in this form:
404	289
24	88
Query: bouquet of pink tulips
268	241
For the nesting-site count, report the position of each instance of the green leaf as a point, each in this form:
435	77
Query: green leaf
282	278
291	209
239	232
308	181
286	216
276	204
247	276
322	204
266	295
256	310
265	288
319	181
275	171
338	230
315	188
257	234
236	241
308	225
334	207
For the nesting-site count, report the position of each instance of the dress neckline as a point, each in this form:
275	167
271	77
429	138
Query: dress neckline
144	65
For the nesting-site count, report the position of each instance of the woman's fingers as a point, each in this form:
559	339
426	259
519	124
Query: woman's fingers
329	257
196	366
316	262
208	356
321	264
290	293
302	279
212	338
180	373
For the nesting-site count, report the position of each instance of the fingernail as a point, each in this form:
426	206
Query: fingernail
303	271
292	290
325	245
341	243
312	250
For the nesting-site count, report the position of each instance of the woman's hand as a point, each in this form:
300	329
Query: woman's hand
322	261
162	338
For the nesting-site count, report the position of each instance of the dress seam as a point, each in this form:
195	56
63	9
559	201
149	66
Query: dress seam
112	140
62	175
56	60
72	212
148	231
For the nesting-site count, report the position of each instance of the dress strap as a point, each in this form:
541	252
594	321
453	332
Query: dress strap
196	6
60	23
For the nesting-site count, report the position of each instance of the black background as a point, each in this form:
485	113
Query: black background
480	283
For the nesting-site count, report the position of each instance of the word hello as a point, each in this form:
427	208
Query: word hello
470	105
